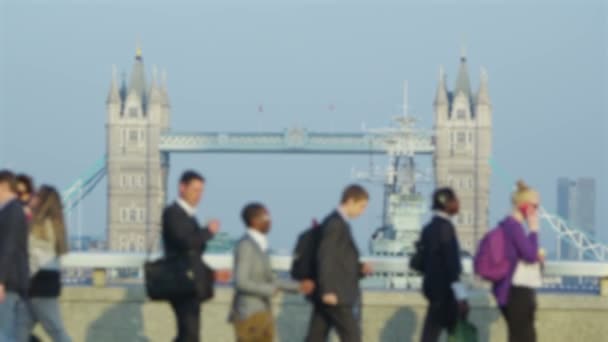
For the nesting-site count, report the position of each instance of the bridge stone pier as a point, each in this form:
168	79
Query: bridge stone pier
122	314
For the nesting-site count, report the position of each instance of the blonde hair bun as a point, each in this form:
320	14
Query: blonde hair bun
522	186
523	193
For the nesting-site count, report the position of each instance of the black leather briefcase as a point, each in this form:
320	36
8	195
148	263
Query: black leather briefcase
169	278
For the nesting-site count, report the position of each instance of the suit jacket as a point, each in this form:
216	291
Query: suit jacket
254	281
442	267
14	267
183	238
339	269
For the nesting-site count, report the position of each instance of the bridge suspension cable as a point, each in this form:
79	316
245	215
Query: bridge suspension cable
83	185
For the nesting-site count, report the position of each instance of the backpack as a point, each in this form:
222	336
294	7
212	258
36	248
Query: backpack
304	263
491	262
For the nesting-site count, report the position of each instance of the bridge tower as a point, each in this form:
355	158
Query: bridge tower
463	128
137	113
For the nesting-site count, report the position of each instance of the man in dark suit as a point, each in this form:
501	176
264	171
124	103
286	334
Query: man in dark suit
337	299
184	238
14	267
442	268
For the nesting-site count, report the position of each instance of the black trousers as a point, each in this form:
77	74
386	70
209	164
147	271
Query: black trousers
440	315
519	313
432	329
187	314
342	318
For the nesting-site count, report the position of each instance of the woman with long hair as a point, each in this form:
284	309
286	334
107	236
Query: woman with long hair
47	242
518	301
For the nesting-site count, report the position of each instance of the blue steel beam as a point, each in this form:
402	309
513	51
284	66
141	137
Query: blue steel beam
291	141
72	192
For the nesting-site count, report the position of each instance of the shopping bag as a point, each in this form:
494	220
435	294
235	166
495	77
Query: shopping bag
465	331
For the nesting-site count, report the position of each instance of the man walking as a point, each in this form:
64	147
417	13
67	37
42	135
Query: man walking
442	288
338	294
184	238
14	268
254	281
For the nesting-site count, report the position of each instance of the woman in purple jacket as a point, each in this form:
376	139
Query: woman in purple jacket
518	303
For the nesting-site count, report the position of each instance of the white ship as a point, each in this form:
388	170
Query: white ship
404	207
403	213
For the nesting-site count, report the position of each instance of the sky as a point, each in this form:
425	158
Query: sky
547	63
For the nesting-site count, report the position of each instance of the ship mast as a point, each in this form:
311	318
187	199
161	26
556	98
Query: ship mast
399	142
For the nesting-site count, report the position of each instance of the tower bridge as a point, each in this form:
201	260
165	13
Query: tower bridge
140	142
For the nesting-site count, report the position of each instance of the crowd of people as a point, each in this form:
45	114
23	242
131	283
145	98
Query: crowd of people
333	287
33	237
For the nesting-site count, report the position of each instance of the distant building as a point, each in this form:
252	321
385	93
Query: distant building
576	205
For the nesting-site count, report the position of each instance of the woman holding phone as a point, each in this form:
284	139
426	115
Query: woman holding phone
518	301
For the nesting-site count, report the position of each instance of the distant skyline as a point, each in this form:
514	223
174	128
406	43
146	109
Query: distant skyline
576	200
323	65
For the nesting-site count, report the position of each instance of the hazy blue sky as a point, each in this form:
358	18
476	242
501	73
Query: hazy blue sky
547	63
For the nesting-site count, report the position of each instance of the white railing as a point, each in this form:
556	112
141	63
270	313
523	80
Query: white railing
283	263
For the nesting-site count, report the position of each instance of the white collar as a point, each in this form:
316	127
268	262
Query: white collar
442	215
259	238
187	207
342	214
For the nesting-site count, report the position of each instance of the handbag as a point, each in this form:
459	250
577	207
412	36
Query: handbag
465	331
45	284
527	275
169	278
417	259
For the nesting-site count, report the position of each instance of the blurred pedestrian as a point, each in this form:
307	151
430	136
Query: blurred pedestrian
47	243
14	268
517	301
441	267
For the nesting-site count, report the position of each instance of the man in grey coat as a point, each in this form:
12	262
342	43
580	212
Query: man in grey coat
254	281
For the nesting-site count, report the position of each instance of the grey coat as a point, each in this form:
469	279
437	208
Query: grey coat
254	281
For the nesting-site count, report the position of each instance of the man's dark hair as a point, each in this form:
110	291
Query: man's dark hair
27	181
190	175
441	198
251	211
7	176
354	192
